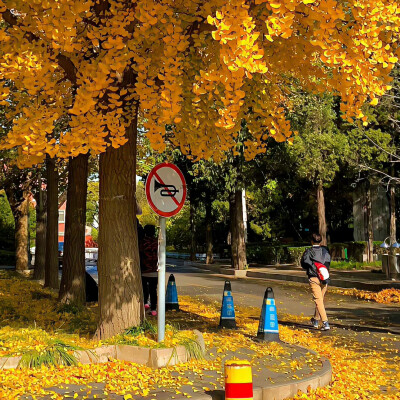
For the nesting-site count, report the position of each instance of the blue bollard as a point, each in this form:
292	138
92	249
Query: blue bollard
227	310
268	329
171	297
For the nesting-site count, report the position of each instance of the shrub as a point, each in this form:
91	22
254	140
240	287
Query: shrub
296	254
55	353
337	250
266	254
355	250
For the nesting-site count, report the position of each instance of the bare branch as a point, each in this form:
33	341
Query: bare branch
385	175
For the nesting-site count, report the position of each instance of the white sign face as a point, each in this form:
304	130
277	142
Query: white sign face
166	189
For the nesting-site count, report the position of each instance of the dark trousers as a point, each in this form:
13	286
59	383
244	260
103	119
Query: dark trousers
150	287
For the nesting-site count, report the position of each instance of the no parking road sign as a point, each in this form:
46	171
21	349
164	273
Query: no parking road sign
166	189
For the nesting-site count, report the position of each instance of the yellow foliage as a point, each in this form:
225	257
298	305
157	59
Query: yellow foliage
200	67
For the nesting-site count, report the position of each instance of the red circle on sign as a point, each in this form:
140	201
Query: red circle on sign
152	174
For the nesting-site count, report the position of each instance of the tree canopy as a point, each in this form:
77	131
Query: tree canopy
199	66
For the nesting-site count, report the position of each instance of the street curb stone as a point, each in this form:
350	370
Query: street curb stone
155	358
282	391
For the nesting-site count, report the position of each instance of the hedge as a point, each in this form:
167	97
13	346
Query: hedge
296	254
268	254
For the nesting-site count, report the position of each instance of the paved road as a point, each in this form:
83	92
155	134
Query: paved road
292	298
373	326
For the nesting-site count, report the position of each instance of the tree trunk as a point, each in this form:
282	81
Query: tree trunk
321	213
40	244
239	259
120	285
21	234
370	232
72	287
51	264
192	233
392	214
209	241
392	251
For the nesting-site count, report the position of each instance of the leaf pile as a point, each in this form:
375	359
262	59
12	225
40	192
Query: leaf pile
385	296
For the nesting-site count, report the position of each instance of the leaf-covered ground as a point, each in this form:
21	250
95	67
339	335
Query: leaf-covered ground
385	296
365	366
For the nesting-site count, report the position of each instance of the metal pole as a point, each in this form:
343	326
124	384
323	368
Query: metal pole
161	281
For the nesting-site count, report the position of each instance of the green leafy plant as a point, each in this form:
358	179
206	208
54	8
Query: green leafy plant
193	348
145	327
56	353
130	335
296	253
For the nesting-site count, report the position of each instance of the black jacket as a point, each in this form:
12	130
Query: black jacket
316	253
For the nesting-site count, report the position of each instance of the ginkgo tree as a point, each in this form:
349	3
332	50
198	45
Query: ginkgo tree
198	66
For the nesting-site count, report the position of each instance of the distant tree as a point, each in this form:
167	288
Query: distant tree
320	147
148	216
92	204
371	147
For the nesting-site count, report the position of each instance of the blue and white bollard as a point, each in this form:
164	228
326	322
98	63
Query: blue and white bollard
268	329
171	297
228	310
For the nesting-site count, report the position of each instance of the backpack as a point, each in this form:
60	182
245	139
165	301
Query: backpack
322	272
318	259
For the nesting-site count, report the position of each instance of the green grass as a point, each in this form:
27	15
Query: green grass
131	334
56	353
146	326
349	265
193	348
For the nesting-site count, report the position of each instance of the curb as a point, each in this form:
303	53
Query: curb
282	391
154	358
338	283
270	391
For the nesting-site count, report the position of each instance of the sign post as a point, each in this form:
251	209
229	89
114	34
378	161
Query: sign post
161	280
166	195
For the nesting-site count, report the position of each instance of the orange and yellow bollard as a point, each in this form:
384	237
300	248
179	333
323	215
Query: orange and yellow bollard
238	380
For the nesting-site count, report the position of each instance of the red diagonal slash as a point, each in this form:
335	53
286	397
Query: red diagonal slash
166	188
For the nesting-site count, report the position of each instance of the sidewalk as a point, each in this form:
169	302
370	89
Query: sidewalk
362	280
276	378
